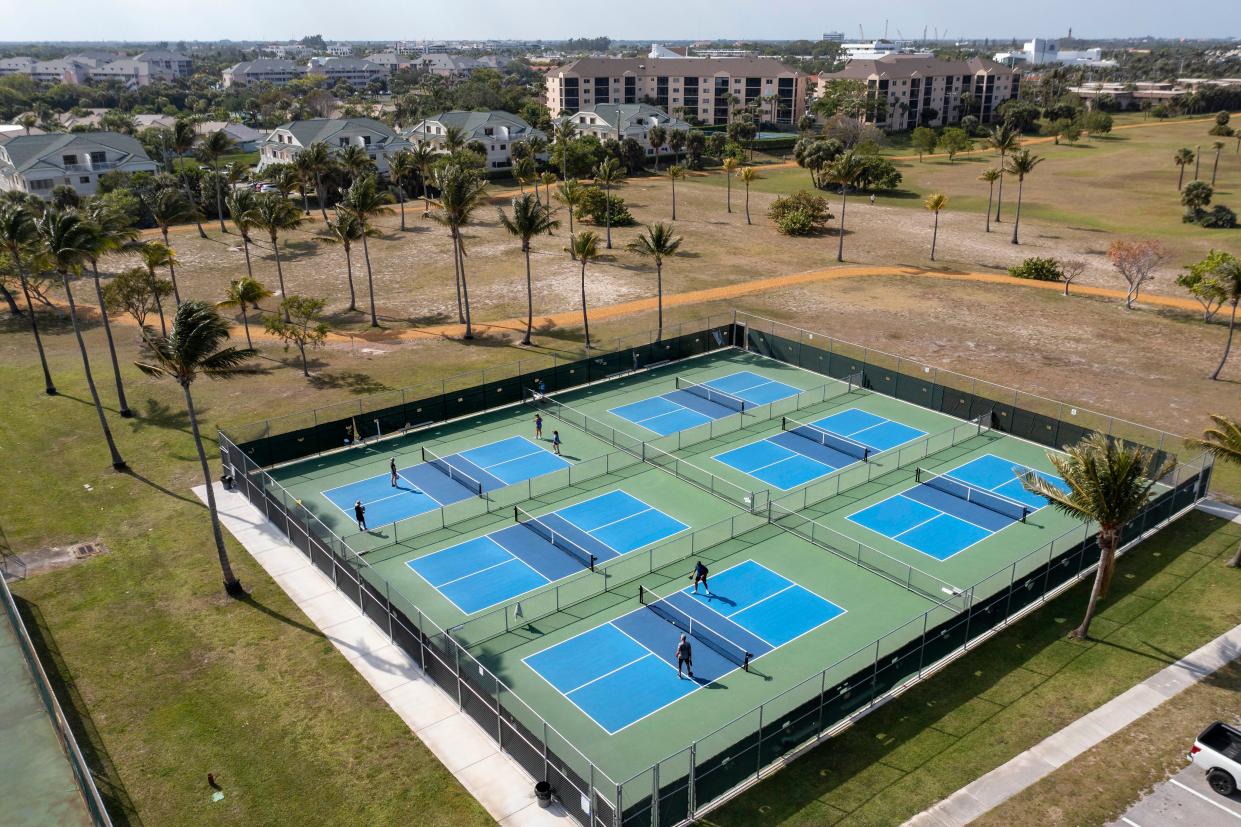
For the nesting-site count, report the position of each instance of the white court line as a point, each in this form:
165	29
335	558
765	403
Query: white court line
477	571
592	531
756	602
1213	803
649	654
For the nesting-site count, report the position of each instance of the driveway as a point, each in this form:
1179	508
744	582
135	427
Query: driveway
1185	799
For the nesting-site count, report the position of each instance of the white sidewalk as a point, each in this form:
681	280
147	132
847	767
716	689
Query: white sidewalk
504	789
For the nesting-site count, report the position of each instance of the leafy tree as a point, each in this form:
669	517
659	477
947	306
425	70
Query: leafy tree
695	147
1225	274
274	214
601	209
1021	114
1037	269
529	218
302	326
1223	441
1183	158
18	236
1004	139
608	174
584	248
748	175
804	213
815	154
845	171
461	194
923	140
1136	261
1021	164
1194	198
954	141
657	243
195	349
990	176
878	174
1098	123
242	292
935	202
135	292
676	173
108	231
1108	483
365	200
65	197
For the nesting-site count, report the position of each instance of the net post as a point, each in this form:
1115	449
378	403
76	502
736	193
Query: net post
641	594
746	664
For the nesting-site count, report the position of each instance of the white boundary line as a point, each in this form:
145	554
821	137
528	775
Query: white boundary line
512	557
1228	810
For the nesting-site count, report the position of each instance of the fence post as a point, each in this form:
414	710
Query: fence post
591	815
691	791
758	758
926	622
655	795
545	762
617	820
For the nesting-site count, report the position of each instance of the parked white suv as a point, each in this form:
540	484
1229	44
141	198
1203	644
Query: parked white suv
1218	751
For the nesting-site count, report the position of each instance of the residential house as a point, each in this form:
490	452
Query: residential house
17	65
38	163
276	71
9	131
708	89
339	49
392	61
625	120
166	65
447	66
495	130
64	70
284	142
246	138
354	71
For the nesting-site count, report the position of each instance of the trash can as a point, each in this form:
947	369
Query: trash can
543	793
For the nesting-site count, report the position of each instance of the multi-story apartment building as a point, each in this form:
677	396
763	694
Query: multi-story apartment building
708	89
625	120
393	61
38	163
165	65
495	130
377	138
136	71
63	70
339	49
17	65
353	70
276	71
914	90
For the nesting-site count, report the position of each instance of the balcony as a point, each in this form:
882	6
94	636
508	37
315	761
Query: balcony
101	166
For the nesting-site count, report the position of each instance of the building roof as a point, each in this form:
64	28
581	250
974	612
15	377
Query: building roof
347	63
906	66
315	130
678	66
29	151
622	116
266	64
473	121
161	54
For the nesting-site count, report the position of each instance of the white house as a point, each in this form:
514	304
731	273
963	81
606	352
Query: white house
286	141
625	120
1043	52
276	71
355	71
246	138
38	163
495	130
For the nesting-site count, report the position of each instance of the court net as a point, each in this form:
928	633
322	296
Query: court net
990	500
825	438
694	627
709	393
554	537
456	474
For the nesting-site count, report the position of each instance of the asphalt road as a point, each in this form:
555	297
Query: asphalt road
1185	798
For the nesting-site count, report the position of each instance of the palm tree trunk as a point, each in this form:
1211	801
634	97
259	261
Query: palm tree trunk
572	252
353	299
840	246
529	298
465	291
1103	576
125	412
1232	322
1215	167
400	192
607	212
747	203
172	271
219	197
245	322
159	303
585	316
990	196
10	300
48	386
659	292
1180	178
1021	182
1235	562
117	462
320	195
232	585
305	199
674	199
934	235
245	245
197	221
456	273
999	198
280	277
426	196
370	283
728	184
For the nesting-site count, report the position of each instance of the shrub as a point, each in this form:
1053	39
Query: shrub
879	174
797	222
594	209
1038	269
1218	217
802	214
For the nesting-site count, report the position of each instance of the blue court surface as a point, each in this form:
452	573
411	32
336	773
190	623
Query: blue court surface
698	404
942	517
625	670
800	454
424	487
483	572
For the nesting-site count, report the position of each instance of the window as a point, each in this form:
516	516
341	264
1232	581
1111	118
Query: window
69	160
98	157
45	184
366	140
85	179
503	147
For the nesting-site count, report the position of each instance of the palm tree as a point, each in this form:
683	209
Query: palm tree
523	171
845	171
346	229
356	161
454	138
212	148
240	210
585	249
193	350
730	166
657	243
276	214
529	218
109	231
302	167
365	200
424	156
675	173
536	146
1183	158
1004	139
65	238
401	169
461	194
240	293
317	158
183	139
748	175
154	254
167	207
1021	164
1223	441
657	137
563	134
18	234
1219	147
935	202
609	173
548	179
571	194
676	142
1228	276
1109	483
991	176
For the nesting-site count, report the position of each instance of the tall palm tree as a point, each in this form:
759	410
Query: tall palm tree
529	218
195	349
1228	276
657	243
730	166
1004	139
275	214
400	169
345	230
240	210
935	202
365	200
65	238
454	138
110	230
304	169
1183	158
1109	483
168	207
748	175
1223	441
1021	164
154	254
212	148
461	194
675	173
564	134
424	160
537	145
584	248
657	137
676	142
240	293
356	161
183	139
609	173
523	171
318	159
18	235
571	194
845	171
991	176
548	179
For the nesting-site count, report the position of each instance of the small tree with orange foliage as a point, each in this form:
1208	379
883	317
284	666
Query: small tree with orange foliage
1136	261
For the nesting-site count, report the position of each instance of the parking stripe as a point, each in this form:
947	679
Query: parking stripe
1228	810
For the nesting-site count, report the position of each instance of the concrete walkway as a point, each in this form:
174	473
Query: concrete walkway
1053	752
504	789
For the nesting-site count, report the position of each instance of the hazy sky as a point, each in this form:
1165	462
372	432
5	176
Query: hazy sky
632	19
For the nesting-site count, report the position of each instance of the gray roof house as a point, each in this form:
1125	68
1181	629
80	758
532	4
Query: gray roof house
496	130
287	140
263	70
245	137
38	163
624	120
354	70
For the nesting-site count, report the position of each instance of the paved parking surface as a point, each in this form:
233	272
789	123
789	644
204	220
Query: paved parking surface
1185	798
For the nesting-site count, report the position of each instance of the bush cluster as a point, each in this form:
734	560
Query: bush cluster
802	214
1038	269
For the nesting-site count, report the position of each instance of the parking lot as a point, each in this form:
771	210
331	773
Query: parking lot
1185	798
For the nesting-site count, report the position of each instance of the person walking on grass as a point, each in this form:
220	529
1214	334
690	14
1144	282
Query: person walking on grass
392	471
700	576
538	426
359	511
556	442
872	199
685	657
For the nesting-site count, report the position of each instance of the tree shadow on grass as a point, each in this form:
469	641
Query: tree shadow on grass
355	382
194	501
158	414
